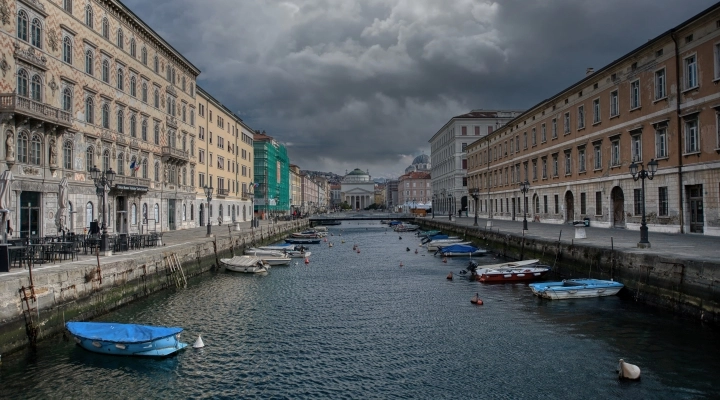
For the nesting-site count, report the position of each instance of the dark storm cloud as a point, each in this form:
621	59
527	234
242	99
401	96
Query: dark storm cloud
366	83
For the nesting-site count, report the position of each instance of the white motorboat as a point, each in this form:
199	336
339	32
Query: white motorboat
291	251
436	244
263	253
247	264
273	261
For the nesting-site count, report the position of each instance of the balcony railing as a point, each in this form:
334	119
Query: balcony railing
13	103
171	121
175	155
222	192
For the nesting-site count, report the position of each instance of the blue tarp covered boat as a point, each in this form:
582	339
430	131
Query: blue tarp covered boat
126	339
461	250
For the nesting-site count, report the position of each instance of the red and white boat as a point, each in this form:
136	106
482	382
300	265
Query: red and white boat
518	271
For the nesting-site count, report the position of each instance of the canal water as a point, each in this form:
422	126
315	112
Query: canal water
359	325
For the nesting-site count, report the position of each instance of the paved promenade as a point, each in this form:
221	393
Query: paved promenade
684	246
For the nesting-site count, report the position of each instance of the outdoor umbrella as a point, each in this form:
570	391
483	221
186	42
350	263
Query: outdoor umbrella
62	203
5	181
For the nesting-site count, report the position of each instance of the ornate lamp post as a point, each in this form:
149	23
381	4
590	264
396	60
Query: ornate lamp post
475	193
103	180
524	187
434	197
450	205
642	174
208	194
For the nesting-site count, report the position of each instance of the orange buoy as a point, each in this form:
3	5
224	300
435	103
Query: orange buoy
476	300
307	260
401	264
449	277
445	260
358	250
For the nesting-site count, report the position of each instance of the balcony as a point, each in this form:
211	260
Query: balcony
171	121
175	156
222	193
13	103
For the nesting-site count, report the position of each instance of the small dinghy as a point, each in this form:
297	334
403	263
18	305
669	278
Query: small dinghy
126	339
576	288
461	250
628	371
247	264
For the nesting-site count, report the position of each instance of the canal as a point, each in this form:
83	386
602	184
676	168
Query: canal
360	325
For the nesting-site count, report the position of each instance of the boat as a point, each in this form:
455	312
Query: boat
247	264
306	235
476	272
406	228
301	240
262	253
576	288
436	244
424	234
273	261
291	251
126	339
529	272
461	250
429	239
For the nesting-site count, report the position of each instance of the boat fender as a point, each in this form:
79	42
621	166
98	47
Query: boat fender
450	276
307	260
198	343
445	260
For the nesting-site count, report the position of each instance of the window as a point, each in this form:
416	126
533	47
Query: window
183	113
156	62
201	156
637	201
22	148
183	83
660	92
67	50
133	86
636	148
89	158
568	161
88	214
581	159
35	152
145	169
583	204
157	133
534	137
717	60
67	5
557	205
35	88
22	85
120	164
89	62
597	150
120	79
133	214
596	111
581	117
144	92
544	168
143	130
143	56
661	149
133	165
464	130
133	125
156	171
157	98
192	117
36	33
555	165
106	116
106	71
614	104
717	128
67	99
89	16
663	201
120	39
89	110
692	137
106	28
106	160
67	155
554	128
615	152
22	26
634	94
534	169
156	212
598	203
691	77
133	47
566	123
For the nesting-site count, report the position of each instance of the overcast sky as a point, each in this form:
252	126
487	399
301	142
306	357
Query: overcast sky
366	83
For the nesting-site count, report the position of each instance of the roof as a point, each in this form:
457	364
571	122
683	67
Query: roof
357	171
421	159
416	175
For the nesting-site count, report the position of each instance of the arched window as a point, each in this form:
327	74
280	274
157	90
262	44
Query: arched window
143	130
183	83
67	99
133	165
192	177
120	79
120	164
106	71
143	55
192	212
133	214
121	121
89	66
172	78
120	39
106	28
89	158
133	47
133	125
22	26
88	214
67	49
157	98
144	92
144	213
145	169
173	113
22	85
106	116
157	64
157	172
35	150
192	90
184	176
192	147
22	152
89	16
157	134
89	110
168	74
35	88
36	33
156	212
106	160
184	215
133	87
184	143
173	175
67	155
192	117
183	113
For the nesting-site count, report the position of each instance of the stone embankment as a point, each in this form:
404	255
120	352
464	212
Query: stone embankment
86	288
686	284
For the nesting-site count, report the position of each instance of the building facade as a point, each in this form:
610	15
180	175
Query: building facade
391	194
659	102
447	151
89	85
358	189
295	190
272	176
414	188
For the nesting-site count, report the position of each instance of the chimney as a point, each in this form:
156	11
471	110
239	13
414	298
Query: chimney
589	71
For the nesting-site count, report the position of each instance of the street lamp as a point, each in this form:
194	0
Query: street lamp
450	205
475	193
208	194
103	180
642	174
433	205
524	187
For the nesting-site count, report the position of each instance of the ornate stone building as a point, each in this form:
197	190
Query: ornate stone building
84	84
357	189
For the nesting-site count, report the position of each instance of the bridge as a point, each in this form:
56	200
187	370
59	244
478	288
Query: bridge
335	218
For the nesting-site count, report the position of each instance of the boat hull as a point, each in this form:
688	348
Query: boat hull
274	261
473	254
576	289
158	348
126	339
302	241
245	264
515	275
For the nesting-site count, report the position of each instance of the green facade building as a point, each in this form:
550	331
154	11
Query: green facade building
271	176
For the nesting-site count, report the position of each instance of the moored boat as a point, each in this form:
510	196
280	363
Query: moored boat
247	264
126	339
461	250
518	274
476	272
436	244
301	240
576	288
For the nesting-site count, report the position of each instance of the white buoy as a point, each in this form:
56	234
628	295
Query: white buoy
198	343
628	371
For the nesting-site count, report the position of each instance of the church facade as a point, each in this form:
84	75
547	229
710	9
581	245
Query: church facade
357	189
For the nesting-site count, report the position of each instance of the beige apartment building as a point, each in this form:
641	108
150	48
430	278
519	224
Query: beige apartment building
295	189
85	84
224	162
659	102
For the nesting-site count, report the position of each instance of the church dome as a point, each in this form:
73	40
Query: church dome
357	171
357	175
421	159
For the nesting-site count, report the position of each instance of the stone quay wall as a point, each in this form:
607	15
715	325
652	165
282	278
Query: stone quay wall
684	286
83	291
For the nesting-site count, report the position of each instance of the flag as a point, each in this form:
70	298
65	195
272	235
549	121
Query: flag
132	165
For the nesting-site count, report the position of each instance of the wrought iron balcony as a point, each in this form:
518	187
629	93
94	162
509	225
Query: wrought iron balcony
14	103
175	156
222	193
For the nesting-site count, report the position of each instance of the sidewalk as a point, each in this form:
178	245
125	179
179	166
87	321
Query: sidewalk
685	246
